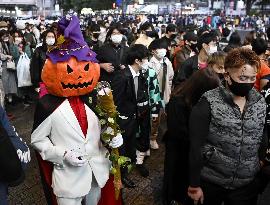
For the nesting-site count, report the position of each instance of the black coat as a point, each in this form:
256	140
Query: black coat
187	69
108	53
36	65
124	93
177	151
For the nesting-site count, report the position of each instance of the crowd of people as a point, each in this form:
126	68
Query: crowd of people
207	83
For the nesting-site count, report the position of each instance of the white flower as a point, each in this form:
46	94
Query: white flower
102	122
104	91
111	120
109	131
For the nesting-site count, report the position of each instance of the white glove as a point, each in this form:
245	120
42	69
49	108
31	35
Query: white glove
117	141
75	158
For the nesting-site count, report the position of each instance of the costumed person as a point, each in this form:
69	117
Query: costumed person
73	162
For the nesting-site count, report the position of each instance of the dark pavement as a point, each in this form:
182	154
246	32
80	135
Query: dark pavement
147	192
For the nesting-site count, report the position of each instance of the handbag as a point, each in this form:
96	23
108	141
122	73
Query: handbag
11	65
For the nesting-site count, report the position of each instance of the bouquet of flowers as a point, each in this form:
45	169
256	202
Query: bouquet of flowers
110	129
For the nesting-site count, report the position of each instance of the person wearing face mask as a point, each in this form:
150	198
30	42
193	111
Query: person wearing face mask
169	37
228	141
39	58
146	34
164	70
112	55
93	34
30	37
188	50
8	75
216	63
18	48
206	47
132	100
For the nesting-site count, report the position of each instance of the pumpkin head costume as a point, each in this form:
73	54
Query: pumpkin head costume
66	132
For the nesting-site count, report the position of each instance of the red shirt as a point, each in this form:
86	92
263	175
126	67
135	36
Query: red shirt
78	108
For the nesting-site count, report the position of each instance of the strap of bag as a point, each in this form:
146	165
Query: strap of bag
164	76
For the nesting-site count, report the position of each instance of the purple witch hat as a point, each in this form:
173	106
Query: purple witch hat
70	42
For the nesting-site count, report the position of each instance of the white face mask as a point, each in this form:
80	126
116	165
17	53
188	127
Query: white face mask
6	39
50	41
212	49
117	38
161	53
4	28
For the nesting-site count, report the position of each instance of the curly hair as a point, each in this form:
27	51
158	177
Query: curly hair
238	57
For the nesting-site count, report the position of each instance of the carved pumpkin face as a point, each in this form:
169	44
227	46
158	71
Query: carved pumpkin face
71	78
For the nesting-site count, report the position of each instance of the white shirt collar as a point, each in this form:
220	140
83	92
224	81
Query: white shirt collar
134	74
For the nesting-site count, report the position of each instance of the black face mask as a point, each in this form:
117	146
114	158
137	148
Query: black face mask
96	35
221	76
194	47
173	36
240	89
150	33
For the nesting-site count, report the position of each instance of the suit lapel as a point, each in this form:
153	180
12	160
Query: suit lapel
131	82
70	117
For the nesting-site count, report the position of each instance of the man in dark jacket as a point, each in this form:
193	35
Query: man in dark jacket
206	46
187	51
131	97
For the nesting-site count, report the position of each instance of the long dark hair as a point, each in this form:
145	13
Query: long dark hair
44	35
193	88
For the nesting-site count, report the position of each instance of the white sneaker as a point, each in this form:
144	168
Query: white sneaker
140	157
147	153
154	144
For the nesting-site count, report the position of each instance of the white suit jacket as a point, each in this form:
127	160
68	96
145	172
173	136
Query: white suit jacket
61	132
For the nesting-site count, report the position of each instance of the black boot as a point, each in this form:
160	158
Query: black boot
128	182
144	172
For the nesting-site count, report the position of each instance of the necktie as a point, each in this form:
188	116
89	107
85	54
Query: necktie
136	84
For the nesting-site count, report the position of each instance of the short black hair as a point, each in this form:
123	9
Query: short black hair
137	51
171	28
259	46
145	26
111	29
95	28
205	38
226	32
158	44
235	38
